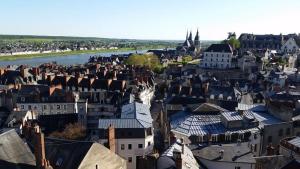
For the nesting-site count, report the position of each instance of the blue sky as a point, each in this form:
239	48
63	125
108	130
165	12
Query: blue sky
148	19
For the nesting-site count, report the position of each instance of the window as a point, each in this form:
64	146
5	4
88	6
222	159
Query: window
140	145
122	146
288	131
280	133
65	107
255	147
269	139
29	107
237	167
129	159
149	143
129	146
23	99
45	107
58	107
22	106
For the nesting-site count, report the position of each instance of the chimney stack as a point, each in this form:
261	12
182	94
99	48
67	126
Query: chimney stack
178	159
182	145
39	147
111	138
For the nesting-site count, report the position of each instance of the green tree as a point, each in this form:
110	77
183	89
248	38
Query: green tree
71	132
232	41
148	60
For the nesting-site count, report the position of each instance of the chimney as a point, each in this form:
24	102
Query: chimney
111	138
270	150
206	86
24	72
67	78
36	71
114	75
221	152
109	82
50	77
2	71
39	148
178	159
182	145
92	81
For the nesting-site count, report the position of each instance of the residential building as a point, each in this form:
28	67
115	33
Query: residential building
178	155
219	56
133	133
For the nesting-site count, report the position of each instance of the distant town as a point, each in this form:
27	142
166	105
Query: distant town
229	104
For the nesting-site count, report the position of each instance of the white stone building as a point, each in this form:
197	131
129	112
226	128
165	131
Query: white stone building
218	56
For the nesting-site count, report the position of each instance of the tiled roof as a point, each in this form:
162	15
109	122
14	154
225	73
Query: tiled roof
189	124
295	141
14	153
232	116
119	123
134	115
265	118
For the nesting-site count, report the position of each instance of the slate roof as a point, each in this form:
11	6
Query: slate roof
266	119
232	153
137	116
232	116
295	141
166	159
252	107
224	48
70	154
11	77
14	153
200	125
119	123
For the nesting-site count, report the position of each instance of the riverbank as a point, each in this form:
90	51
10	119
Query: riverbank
56	54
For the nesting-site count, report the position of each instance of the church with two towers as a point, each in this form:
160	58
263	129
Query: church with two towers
190	46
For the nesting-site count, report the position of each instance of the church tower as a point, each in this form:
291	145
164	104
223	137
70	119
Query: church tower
190	39
197	42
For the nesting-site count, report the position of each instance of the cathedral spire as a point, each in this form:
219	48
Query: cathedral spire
191	36
187	34
197	36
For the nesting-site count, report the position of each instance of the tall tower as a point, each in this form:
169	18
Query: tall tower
191	39
197	43
187	35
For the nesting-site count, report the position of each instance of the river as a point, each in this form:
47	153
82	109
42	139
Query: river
63	60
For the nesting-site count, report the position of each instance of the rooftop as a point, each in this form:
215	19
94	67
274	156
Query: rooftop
192	124
231	153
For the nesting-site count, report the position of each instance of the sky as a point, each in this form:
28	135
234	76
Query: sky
148	19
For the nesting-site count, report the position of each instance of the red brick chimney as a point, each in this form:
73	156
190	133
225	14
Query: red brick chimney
111	138
178	159
39	147
36	71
